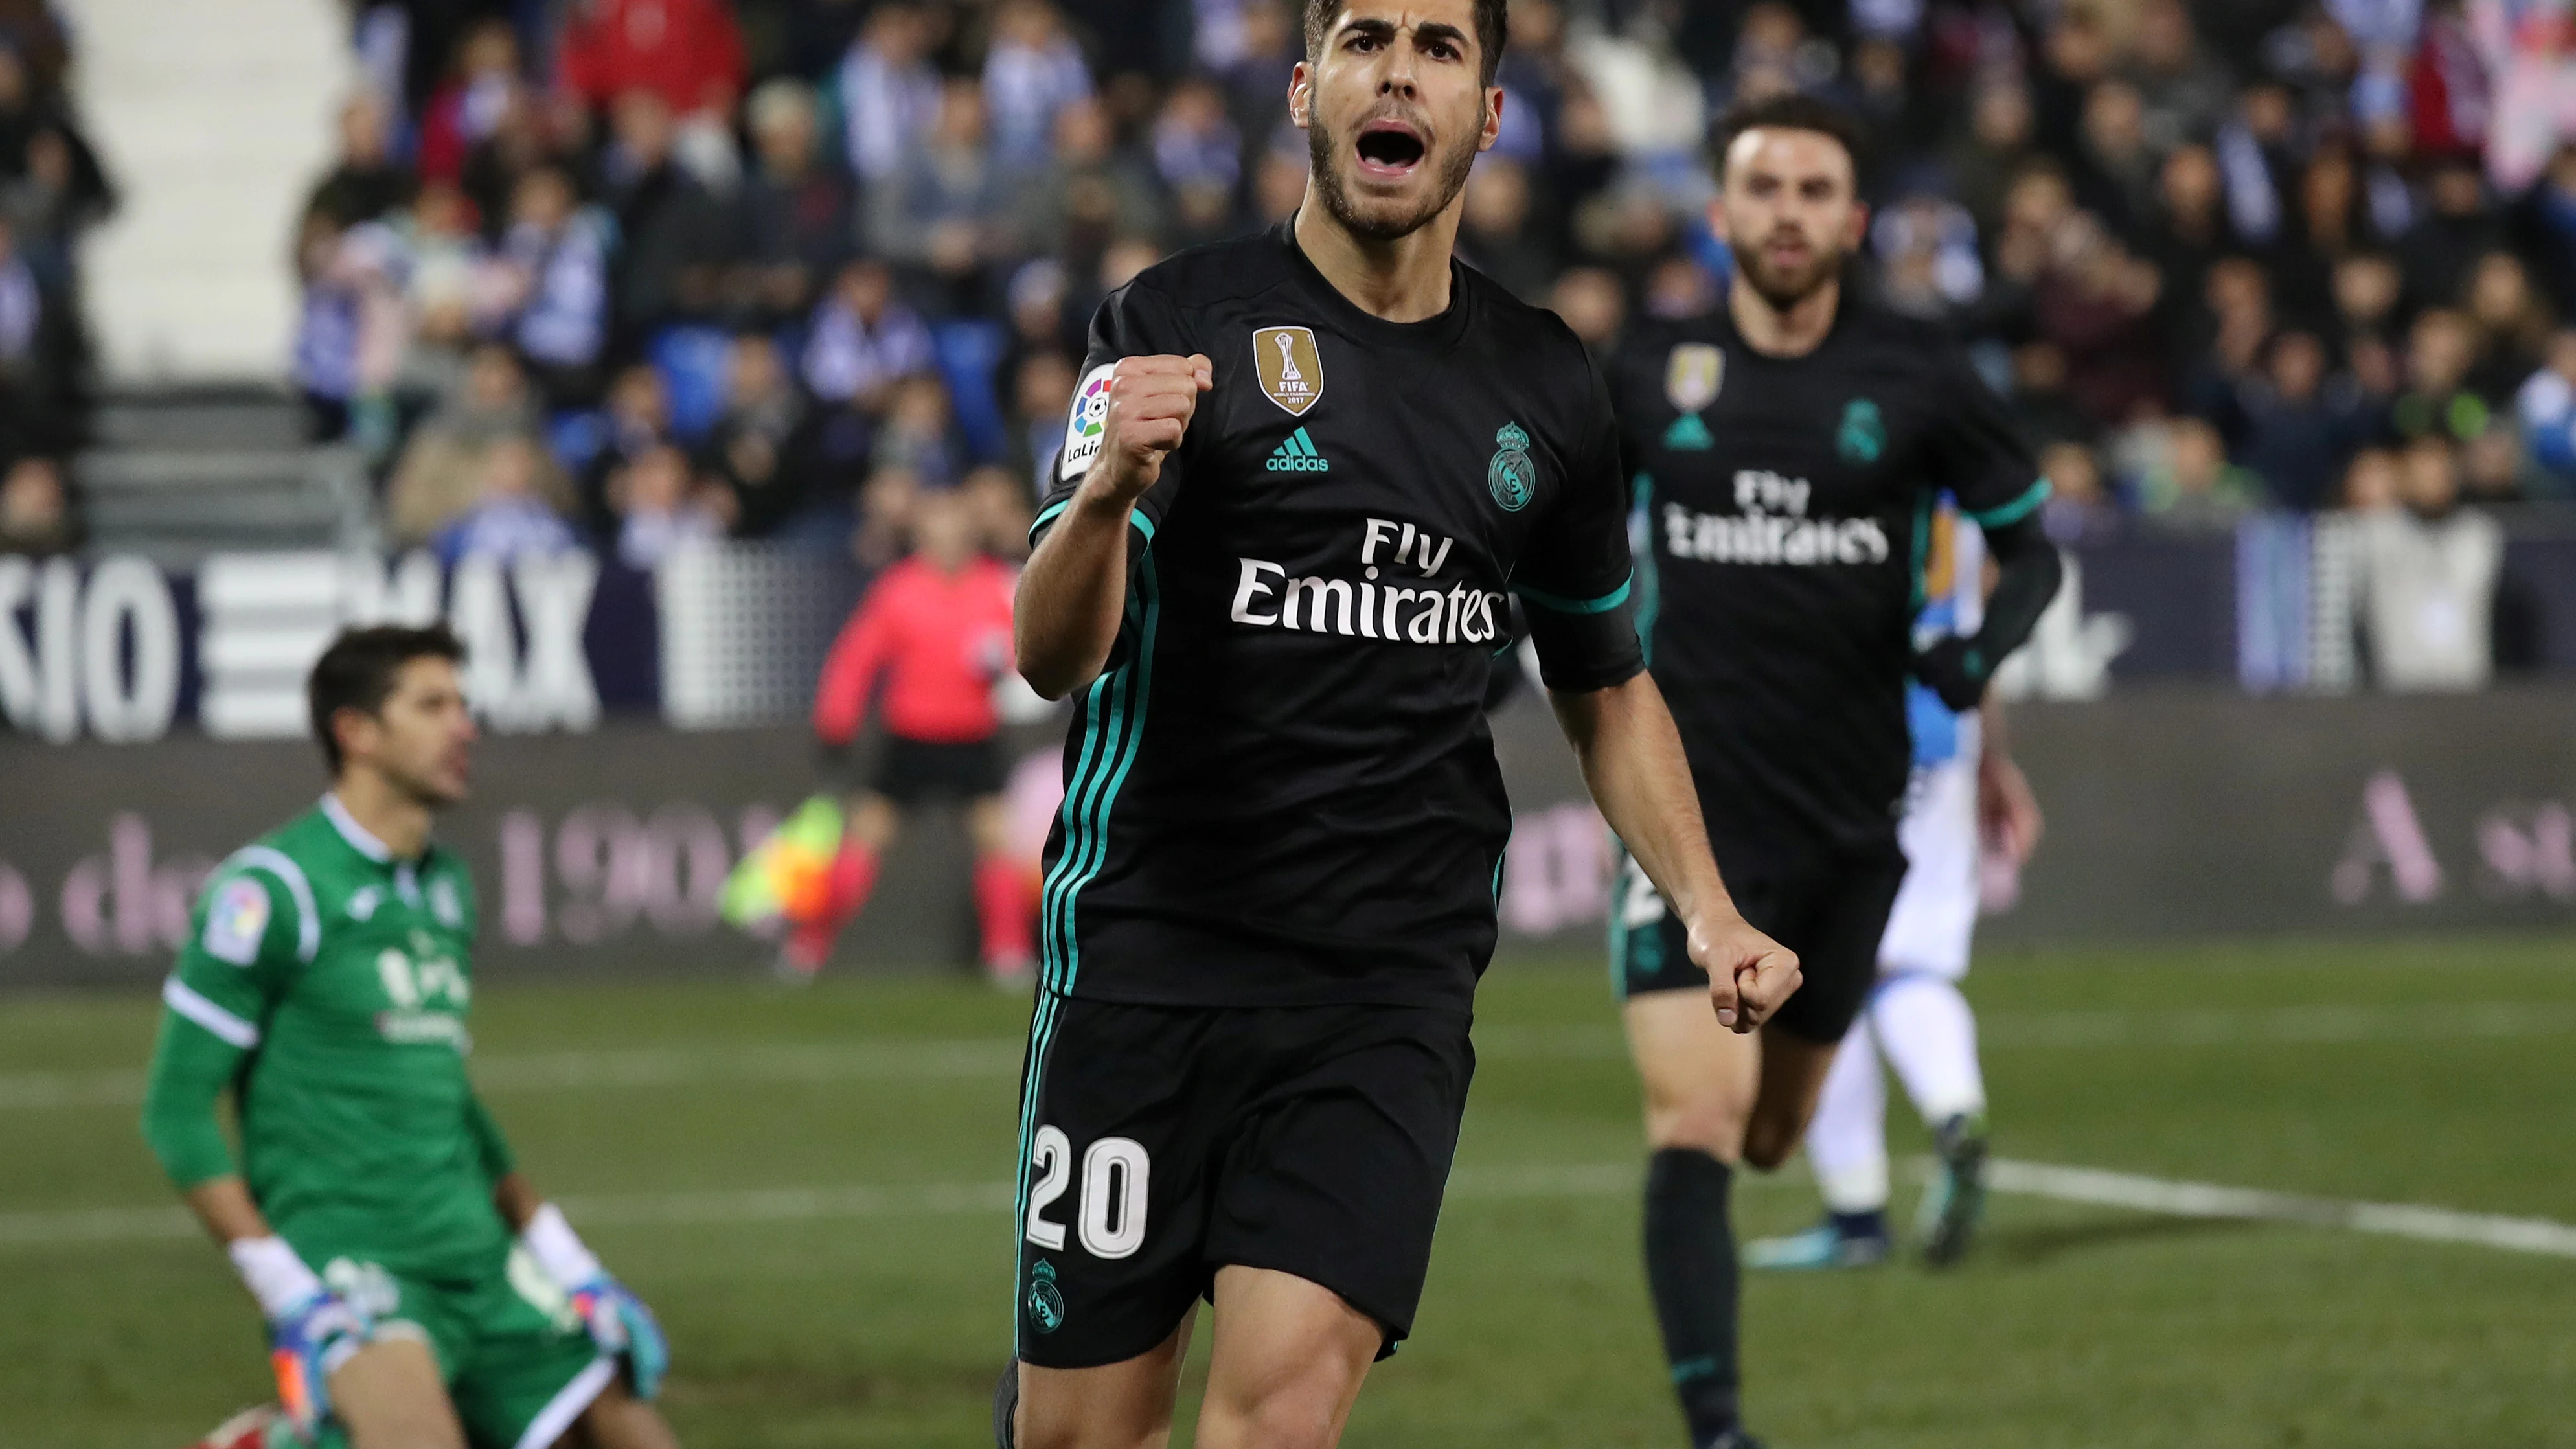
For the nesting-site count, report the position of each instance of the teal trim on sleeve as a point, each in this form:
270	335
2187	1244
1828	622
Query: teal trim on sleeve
2007	514
1047	515
1648	576
1563	605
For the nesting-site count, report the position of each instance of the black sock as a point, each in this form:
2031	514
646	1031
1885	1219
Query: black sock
1690	1268
1871	1224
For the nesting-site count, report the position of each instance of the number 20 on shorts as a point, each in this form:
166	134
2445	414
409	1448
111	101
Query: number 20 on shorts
1111	1213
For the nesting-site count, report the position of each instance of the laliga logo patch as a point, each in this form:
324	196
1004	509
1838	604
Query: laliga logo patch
1511	476
1088	426
235	921
1291	370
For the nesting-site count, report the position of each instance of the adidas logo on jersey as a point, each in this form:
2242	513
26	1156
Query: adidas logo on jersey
1689	434
1296	454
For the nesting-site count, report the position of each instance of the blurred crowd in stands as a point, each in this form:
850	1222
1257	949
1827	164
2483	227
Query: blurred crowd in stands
642	272
655	270
52	189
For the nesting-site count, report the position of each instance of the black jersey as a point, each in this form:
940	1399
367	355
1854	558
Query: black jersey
1281	790
1788	504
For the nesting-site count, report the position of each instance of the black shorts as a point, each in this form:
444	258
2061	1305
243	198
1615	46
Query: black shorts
1160	1143
911	771
1831	910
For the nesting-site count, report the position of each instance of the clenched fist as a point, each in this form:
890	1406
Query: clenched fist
1151	401
1749	974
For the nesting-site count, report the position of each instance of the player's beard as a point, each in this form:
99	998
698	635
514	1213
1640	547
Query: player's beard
1786	287
433	785
1384	221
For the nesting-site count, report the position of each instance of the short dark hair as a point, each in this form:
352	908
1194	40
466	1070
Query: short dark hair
359	670
1788	111
1493	31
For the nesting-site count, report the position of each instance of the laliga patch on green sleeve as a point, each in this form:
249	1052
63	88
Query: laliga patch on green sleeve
236	921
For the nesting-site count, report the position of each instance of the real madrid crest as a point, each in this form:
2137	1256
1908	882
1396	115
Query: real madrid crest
1045	1301
1863	433
1692	376
1512	476
1291	370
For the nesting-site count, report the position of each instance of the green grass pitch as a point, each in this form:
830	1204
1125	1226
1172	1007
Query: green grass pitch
808	1187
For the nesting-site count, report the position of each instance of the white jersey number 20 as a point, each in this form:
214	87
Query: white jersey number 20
1115	1173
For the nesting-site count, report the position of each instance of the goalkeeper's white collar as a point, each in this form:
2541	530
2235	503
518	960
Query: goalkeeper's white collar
360	838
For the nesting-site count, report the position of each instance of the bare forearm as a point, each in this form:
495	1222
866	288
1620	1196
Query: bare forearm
224	1205
1073	594
516	1200
1633	763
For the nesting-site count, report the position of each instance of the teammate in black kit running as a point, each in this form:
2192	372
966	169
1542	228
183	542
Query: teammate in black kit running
1786	452
1303	476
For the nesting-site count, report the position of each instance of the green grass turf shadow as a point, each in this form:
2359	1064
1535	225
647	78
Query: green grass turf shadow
2076	1326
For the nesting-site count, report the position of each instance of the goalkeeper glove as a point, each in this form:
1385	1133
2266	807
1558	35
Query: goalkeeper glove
619	1322
311	1330
1957	670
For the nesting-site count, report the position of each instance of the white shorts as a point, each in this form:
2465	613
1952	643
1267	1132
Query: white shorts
1936	909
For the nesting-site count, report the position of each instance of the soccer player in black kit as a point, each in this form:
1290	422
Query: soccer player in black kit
1304	474
1786	452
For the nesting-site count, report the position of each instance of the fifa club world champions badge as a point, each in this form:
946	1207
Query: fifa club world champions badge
1291	370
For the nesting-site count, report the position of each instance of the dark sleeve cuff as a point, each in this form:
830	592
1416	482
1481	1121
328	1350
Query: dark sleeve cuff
1584	645
1137	518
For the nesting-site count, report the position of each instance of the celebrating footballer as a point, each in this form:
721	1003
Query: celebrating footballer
1304	474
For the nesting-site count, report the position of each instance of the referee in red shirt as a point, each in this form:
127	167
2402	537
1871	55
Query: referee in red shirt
928	642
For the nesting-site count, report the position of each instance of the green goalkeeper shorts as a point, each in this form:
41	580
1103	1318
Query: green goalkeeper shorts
518	1363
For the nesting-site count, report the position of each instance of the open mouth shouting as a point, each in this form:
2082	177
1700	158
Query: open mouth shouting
1390	149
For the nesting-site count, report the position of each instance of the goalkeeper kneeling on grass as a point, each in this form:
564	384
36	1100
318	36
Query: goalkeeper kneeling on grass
418	1293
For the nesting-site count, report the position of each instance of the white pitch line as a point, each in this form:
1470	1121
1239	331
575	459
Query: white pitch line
2278	1026
999	1057
1472	1183
2210	1200
808	1204
95	1225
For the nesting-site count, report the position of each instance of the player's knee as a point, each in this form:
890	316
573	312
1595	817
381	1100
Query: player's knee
1046	1420
1766	1147
1304	1413
1706	1122
1771	1138
617	1420
1033	1432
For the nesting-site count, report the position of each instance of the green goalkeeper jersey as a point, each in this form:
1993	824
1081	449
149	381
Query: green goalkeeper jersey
326	982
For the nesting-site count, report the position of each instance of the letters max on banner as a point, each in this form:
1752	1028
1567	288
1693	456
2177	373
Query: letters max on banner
122	651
